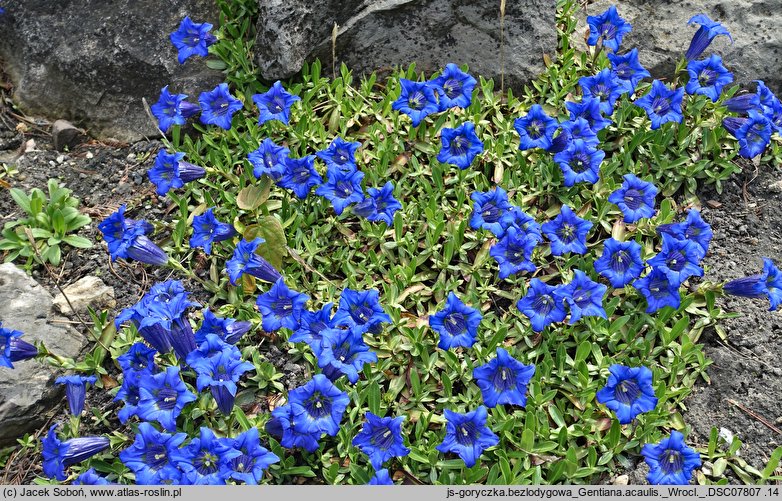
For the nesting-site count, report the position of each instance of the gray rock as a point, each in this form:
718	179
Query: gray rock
378	35
86	292
27	392
66	135
91	61
662	35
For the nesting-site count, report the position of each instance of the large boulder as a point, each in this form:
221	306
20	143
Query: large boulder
91	61
27	392
662	36
378	35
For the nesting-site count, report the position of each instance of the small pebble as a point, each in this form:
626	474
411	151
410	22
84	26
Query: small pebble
89	155
60	159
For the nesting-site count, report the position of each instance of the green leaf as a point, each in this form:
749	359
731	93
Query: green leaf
773	462
58	223
253	196
77	241
21	199
275	246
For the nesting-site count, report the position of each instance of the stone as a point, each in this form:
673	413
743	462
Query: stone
86	292
380	35
662	35
91	62
27	392
621	480
66	135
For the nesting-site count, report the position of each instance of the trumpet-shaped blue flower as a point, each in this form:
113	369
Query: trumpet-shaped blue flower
318	406
490	211
153	456
205	459
457	324
90	477
659	290
138	358
541	305
227	329
628	392
770	105
275	104
608	27
381	439
342	188
172	109
460	146
693	228
300	175
343	352
58	455
678	259
162	397
246	260
503	380
588	109
454	87
561	141
467	435
269	159
708	77
417	100
281	307
169	320
768	283
670	462
219	372
379	205
192	39
567	232
707	31
340	155
584	296
218	106
580	162
13	349
635	198
127	239
207	230
312	326
360	310
604	87
381	477
754	134
661	104
628	70
253	459
536	129
129	394
743	103
513	252
283	426
522	221
578	128
621	262
75	391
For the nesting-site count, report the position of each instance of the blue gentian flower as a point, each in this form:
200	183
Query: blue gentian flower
770	105
743	103
90	477
366	207
522	221
268	159
454	87
635	198
621	262
127	239
579	128
211	346
383	204
207	230
172	109
580	162
467	435
253	460
129	394
283	426
417	100
361	310
171	317
138	358
753	133
628	70
312	326
588	109
58	455
628	392
205	459
670	462
275	104
343	352
153	455
584	296
162	397
662	105
75	391
192	39
490	211
245	260
659	290
457	324
381	439
318	406
708	77
227	329
765	95
605	87
678	259
561	141
171	172
768	283
513	252
218	106
608	27
340	155
536	129
503	380
567	232
220	373
116	225
281	307
381	477
459	146
707	31
541	305
342	188
13	349
693	228
300	175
